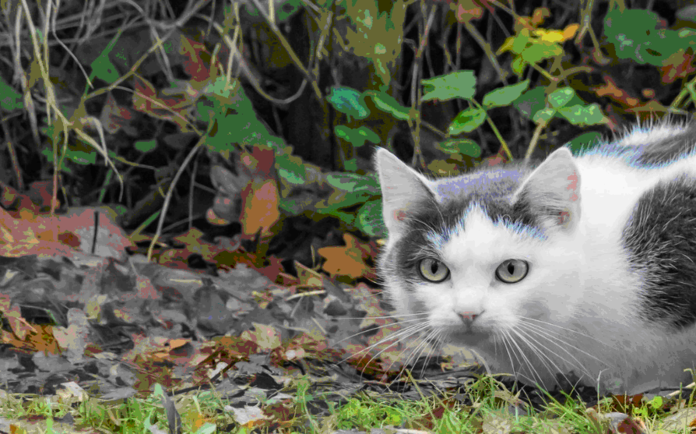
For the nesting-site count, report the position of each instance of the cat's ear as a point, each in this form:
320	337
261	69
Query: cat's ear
552	191
403	190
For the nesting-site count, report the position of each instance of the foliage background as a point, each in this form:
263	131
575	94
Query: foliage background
266	113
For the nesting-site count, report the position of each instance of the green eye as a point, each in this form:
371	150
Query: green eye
433	270
512	271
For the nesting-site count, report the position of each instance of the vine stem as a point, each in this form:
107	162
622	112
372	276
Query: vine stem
502	141
535	139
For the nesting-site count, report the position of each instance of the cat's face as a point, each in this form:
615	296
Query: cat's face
481	256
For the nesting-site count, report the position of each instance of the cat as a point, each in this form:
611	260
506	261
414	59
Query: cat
581	268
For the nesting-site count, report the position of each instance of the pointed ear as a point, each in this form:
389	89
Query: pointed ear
403	189
552	191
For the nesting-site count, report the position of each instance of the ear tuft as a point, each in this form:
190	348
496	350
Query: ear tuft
552	191
403	190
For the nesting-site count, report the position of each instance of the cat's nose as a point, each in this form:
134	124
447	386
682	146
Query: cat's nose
468	317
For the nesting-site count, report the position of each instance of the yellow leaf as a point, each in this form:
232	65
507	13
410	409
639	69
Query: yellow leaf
507	45
550	35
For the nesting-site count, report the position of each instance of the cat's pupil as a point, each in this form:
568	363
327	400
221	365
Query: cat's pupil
433	267
511	268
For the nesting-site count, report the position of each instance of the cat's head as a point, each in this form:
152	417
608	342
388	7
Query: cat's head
472	256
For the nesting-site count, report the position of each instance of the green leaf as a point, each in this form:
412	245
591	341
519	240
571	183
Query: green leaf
541	50
290	177
238	124
103	68
344	132
344	181
520	42
145	146
348	101
81	157
531	101
637	34
518	65
10	99
291	171
356	136
369	219
351	164
584	142
505	95
460	84
368	184
467	121
389	104
544	116
583	114
560	97
368	134
460	146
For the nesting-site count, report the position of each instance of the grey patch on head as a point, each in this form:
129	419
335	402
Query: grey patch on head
660	239
490	183
491	189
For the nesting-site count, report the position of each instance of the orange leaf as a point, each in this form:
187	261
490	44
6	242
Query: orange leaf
345	260
260	207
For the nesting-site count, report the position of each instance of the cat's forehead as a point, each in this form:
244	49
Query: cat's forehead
482	194
493	183
479	236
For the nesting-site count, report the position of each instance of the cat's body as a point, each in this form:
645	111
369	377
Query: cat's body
585	264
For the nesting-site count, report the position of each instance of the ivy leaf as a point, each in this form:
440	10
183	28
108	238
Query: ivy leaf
390	105
344	181
348	101
583	114
460	84
505	95
531	101
461	147
560	97
544	116
467	121
369	219
356	136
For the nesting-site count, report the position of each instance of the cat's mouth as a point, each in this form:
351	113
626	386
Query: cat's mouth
470	335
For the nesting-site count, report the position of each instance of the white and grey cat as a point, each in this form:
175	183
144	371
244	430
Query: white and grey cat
584	265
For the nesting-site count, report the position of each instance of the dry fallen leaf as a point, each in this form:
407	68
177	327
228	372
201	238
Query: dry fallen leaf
345	260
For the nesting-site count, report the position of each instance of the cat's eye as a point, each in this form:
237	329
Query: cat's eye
512	271
433	270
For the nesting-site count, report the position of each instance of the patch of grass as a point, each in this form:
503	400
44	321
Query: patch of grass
484	405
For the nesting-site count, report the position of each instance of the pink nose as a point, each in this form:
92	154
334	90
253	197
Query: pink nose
468	317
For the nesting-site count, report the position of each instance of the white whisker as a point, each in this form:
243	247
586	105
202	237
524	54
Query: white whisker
559	342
